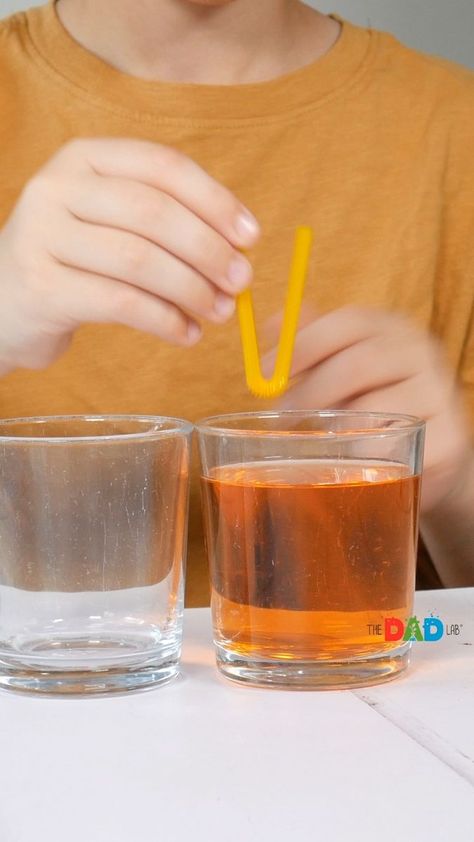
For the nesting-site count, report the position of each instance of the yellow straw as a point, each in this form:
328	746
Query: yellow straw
277	384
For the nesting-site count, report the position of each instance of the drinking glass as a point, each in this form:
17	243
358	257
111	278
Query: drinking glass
311	522
93	519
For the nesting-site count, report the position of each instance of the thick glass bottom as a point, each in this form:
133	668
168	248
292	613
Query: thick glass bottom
313	675
35	679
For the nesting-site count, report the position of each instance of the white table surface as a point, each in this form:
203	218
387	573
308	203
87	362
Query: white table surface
203	759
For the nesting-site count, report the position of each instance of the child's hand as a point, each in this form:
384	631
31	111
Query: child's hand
118	231
378	362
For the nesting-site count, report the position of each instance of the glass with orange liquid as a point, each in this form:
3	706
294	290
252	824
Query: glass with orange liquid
311	523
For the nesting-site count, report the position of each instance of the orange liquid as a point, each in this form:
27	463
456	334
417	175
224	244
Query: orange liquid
305	555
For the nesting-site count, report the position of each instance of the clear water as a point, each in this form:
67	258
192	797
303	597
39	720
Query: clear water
45	633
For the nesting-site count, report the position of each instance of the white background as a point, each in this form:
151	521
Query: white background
443	27
203	760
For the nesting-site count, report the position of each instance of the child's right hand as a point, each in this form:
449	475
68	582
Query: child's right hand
118	231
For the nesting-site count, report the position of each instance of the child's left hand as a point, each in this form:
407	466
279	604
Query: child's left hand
373	361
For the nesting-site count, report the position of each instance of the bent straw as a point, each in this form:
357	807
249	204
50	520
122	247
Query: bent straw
277	384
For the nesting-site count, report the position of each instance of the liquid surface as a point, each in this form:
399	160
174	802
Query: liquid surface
306	555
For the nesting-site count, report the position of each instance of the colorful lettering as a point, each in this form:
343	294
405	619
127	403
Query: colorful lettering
393	628
433	628
413	631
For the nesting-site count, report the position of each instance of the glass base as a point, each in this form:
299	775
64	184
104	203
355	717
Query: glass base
87	682
313	675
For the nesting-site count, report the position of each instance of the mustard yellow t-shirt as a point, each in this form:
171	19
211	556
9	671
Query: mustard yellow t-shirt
371	145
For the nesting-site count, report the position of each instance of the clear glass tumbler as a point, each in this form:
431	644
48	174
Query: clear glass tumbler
311	522
93	522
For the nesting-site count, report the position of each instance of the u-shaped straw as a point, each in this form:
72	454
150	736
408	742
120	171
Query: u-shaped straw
277	384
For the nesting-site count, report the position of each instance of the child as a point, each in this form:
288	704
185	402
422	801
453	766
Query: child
140	142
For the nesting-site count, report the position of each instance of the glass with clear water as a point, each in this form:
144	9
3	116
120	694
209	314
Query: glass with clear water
93	528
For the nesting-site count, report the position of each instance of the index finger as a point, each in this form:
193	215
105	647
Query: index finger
174	173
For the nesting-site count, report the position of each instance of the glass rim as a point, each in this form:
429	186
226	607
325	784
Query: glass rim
406	424
179	427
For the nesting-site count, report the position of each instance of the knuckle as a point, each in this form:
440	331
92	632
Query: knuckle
354	366
174	322
46	191
72	159
187	288
180	282
43	350
169	158
150	211
424	356
197	293
46	181
435	355
212	251
374	318
134	254
48	354
357	318
33	359
37	361
40	188
358	312
436	364
123	303
226	202
76	147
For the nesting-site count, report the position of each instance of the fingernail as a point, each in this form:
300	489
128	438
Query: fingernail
224	306
247	227
194	333
239	273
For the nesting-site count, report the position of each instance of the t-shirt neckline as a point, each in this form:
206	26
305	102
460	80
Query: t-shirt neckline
299	90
